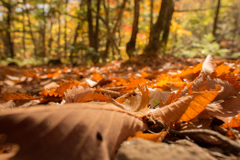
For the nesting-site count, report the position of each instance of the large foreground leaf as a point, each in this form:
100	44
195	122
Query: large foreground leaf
72	131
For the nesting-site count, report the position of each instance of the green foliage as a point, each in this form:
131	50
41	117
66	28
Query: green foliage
155	102
201	48
23	62
235	55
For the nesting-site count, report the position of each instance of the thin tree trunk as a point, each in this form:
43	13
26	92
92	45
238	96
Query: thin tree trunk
50	36
90	24
110	34
30	29
131	44
216	18
65	33
24	32
75	41
43	54
155	32
96	44
59	31
8	34
106	8
151	13
235	31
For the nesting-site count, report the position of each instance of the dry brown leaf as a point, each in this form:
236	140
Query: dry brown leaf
159	96
212	110
78	94
52	85
229	108
208	66
8	105
184	109
202	84
145	98
72	131
195	123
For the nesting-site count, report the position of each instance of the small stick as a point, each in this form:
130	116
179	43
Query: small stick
231	143
113	94
116	88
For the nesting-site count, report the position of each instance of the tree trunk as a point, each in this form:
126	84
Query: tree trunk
105	54
59	31
43	28
93	35
96	44
74	41
151	13
65	32
9	21
155	32
131	44
24	31
110	34
167	29
30	29
90	24
50	36
216	18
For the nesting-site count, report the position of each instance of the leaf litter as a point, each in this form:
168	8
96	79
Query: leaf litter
87	114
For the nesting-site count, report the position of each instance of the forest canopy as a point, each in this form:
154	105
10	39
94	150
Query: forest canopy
95	31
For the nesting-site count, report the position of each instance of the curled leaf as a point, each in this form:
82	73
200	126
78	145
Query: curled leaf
208	66
145	98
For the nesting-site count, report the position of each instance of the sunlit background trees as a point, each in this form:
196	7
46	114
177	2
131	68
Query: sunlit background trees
95	31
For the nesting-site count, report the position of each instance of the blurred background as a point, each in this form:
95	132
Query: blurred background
96	31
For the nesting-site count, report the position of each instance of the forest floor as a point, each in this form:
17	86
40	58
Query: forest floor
65	112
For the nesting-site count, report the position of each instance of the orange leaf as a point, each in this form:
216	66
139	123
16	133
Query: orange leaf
156	137
184	109
223	69
97	77
235	122
100	97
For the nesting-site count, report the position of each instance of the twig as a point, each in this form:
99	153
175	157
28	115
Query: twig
231	144
113	94
116	88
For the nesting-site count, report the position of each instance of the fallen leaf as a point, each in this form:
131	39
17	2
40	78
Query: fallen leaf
78	95
202	84
155	137
208	66
72	131
52	85
8	105
160	96
145	98
184	109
